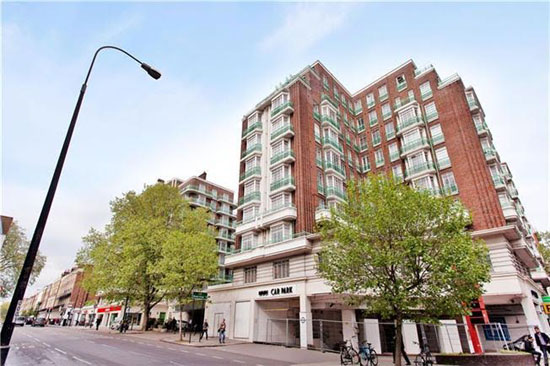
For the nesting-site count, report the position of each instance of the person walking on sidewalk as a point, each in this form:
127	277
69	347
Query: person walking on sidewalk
543	341
204	330
529	348
97	322
221	331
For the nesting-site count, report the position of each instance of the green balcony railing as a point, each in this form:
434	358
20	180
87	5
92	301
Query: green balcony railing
422	69
444	163
250	172
376	140
325	84
426	95
490	152
498	180
371	103
513	192
482	127
356	148
289	181
348	140
419	168
373	121
337	168
390	134
331	121
363	147
253	196
365	168
394	155
437	139
198	201
281	130
335	192
360	128
356	111
383	97
409	122
280	108
401	86
281	156
319	162
253	127
401	102
379	162
432	116
332	142
320	188
329	99
413	145
472	104
386	115
450	189
251	149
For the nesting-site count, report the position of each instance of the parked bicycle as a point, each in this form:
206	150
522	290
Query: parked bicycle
367	355
348	355
424	358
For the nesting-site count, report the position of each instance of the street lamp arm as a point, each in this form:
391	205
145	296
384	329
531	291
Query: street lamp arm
106	47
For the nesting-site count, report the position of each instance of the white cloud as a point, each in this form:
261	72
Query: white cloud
305	25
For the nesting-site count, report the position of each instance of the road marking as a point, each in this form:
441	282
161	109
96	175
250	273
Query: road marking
218	357
184	351
106	345
175	363
59	350
81	360
238	361
45	344
200	354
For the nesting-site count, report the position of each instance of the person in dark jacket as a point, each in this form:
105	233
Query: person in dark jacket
403	353
543	341
530	348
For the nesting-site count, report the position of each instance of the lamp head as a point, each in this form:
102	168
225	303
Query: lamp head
151	71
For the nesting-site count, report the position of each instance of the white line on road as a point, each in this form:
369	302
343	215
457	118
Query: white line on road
175	363
106	345
238	361
200	354
45	344
81	360
59	350
218	357
184	351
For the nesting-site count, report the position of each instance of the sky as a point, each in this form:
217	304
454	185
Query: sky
217	61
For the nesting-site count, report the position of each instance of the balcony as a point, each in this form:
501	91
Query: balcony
252	172
414	145
432	116
513	192
284	131
376	140
329	121
401	86
490	153
198	202
394	155
254	127
332	142
360	128
320	163
382	97
331	167
482	128
221	280
365	168
322	213
409	123
540	275
370	103
271	250
251	197
421	70
225	236
524	249
226	224
472	104
336	193
379	162
373	121
320	189
283	212
386	115
426	95
437	139
509	211
390	134
224	211
443	163
285	184
363	147
317	116
327	98
283	157
419	169
450	190
357	110
286	108
403	102
499	182
252	150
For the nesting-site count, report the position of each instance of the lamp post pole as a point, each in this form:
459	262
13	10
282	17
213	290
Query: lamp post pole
21	286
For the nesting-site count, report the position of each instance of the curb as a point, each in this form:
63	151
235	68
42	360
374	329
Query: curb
199	345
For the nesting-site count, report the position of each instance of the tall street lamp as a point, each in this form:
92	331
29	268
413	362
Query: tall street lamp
7	328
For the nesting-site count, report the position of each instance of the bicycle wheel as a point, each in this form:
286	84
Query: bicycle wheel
373	358
355	359
345	357
419	360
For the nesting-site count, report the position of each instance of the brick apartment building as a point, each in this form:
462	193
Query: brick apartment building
299	146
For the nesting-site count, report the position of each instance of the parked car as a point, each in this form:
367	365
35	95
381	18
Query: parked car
29	320
19	321
39	322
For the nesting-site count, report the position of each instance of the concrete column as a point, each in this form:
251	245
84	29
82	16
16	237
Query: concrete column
371	333
410	335
531	316
306	323
449	337
349	327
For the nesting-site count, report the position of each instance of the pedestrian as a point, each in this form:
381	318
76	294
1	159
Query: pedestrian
124	326
204	330
543	341
173	325
403	353
97	322
221	331
530	348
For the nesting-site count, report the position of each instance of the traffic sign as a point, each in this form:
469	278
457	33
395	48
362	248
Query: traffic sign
546	308
199	296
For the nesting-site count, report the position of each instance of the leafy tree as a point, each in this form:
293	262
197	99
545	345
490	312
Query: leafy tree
544	248
404	254
4	310
12	256
189	259
124	261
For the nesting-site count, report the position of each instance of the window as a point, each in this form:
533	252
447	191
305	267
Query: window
250	274
442	158
449	184
379	157
281	200
253	140
360	124
425	90
252	163
383	93
336	94
401	82
390	130
410	96
251	186
317	131
386	111
280	146
248	242
280	172
280	122
363	143
373	119
281	269
437	134
366	164
397	172
280	233
280	100
358	106
370	100
431	112
376	138
325	82
250	212
394	152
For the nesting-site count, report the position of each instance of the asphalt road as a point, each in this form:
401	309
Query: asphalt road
61	346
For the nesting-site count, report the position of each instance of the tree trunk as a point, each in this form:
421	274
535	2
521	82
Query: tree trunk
146	311
398	340
181	322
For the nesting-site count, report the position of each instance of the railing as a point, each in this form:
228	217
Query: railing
394	155
266	212
409	122
498	180
356	111
432	116
363	147
401	86
334	191
330	120
371	103
360	128
419	168
386	115
198	201
412	145
513	192
320	188
373	121
223	210
482	127
281	130
225	223
422	69
283	106
270	242
444	163
319	162
376	141
282	155
222	279
436	139
383	97
255	126
337	168
426	95
253	196
254	148
250	172
390	135
490	152
329	99
450	189
317	116
289	181
226	236
472	104
379	162
333	142
403	101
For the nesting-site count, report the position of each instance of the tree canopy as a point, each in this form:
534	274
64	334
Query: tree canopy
403	253
12	255
135	256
